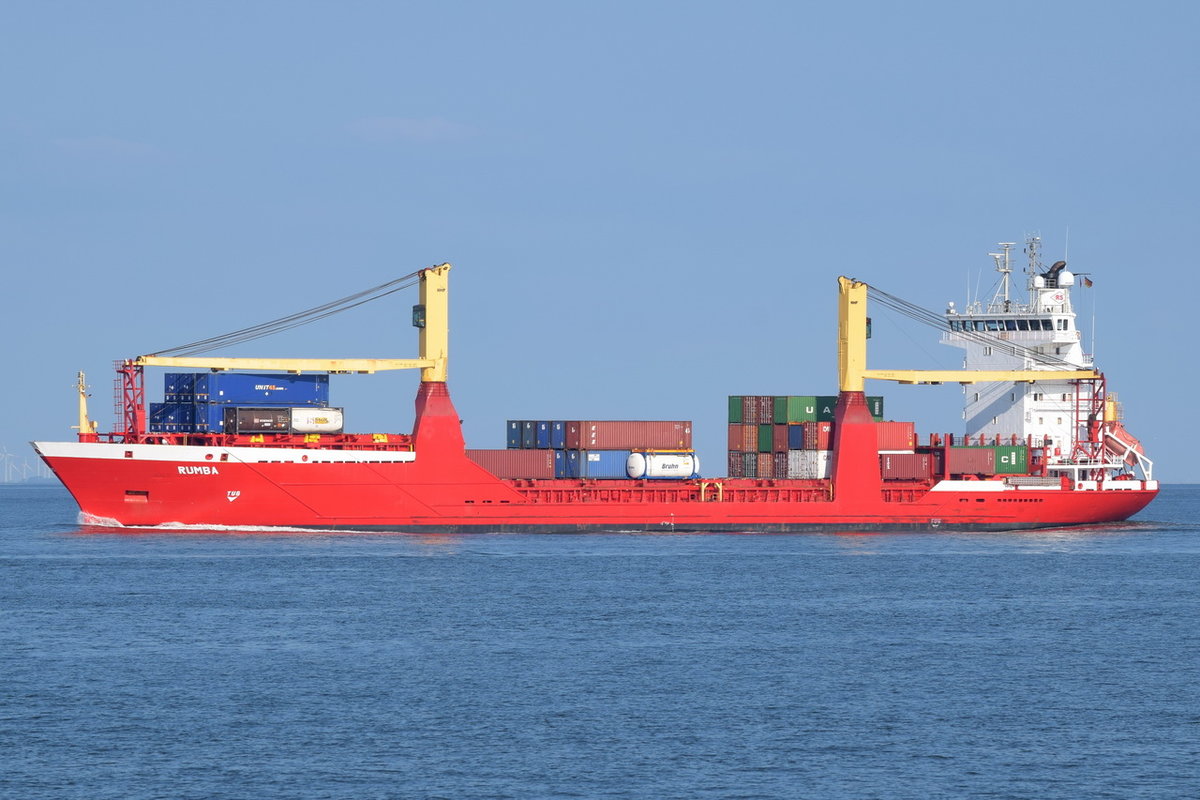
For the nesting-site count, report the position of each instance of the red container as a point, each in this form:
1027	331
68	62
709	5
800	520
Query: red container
749	438
779	440
780	464
766	465
515	463
908	466
735	464
896	435
735	436
750	409
629	435
818	435
970	461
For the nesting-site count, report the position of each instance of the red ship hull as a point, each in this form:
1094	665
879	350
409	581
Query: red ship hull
436	488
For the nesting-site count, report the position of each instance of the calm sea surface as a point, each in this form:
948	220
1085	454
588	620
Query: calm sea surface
1063	664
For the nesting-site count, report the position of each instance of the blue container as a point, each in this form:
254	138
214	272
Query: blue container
795	437
605	463
170	418
252	389
513	434
528	434
210	417
542	434
562	467
558	435
178	387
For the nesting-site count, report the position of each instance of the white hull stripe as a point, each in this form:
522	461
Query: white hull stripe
213	455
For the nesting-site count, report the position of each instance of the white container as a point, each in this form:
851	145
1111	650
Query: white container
662	465
809	464
317	420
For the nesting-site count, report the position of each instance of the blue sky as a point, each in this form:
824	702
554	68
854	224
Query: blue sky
647	204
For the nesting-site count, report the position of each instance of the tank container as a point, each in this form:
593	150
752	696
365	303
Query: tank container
662	465
306	419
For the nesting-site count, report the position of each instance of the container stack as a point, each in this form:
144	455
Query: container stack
790	436
244	403
594	449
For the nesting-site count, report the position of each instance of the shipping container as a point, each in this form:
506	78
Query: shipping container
735	464
512	463
749	465
629	435
657	466
766	465
875	405
250	389
735	437
895	435
818	436
209	417
179	387
766	409
528	434
542	434
808	464
906	466
766	438
238	419
826	405
1012	459
735	409
605	463
779	438
306	419
779	464
512	434
170	418
796	436
971	460
558	435
750	409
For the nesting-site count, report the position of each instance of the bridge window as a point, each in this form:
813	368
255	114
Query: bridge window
993	325
1062	324
1010	324
1022	324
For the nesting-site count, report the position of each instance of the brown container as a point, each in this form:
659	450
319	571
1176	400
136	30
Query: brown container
515	463
735	436
906	466
766	409
779	439
818	435
970	461
780	464
749	465
750	409
629	435
766	465
896	435
735	464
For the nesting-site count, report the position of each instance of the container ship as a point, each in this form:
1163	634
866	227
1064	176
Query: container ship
255	442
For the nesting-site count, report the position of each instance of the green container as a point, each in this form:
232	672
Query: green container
875	405
1012	459
825	405
766	438
792	408
735	409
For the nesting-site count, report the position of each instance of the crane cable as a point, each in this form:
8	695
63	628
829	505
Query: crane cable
934	320
292	320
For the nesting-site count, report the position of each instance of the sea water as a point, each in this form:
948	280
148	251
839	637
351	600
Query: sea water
1056	664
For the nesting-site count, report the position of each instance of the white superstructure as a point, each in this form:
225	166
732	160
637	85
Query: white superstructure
1038	332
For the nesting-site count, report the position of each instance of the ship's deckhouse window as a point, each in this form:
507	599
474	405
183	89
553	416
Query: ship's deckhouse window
1037	395
993	325
987	351
1010	324
1022	324
1062	324
980	325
